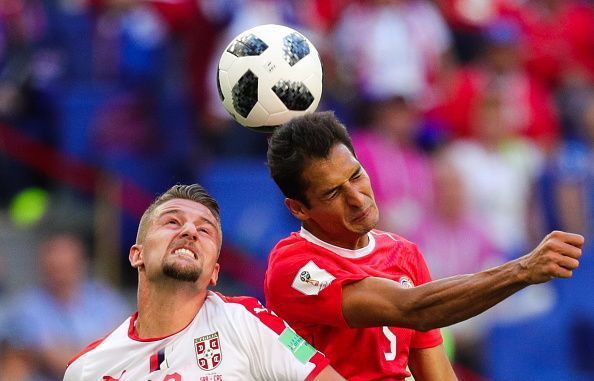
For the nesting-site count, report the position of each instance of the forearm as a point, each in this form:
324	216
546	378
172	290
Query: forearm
373	302
451	300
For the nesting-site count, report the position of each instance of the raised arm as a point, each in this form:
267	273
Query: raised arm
376	302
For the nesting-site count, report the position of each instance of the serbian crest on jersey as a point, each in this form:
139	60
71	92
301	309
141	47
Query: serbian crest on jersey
208	351
406	282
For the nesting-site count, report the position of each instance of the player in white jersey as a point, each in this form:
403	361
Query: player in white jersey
183	331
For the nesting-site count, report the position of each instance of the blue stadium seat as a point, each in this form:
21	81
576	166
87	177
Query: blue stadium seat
77	107
532	350
253	213
556	346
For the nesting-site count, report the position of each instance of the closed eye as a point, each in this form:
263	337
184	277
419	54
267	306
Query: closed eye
357	174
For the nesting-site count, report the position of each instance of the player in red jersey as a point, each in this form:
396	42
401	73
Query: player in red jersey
363	296
183	331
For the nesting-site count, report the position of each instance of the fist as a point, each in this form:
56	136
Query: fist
555	257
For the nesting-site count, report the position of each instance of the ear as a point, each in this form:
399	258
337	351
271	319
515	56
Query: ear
135	256
214	277
297	208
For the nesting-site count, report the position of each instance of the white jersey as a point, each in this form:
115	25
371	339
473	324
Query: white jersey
231	338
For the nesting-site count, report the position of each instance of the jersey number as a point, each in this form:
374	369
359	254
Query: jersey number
391	355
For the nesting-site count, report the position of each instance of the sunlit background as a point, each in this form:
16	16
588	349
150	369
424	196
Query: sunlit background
474	119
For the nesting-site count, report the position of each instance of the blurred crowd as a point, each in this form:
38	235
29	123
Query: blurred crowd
474	119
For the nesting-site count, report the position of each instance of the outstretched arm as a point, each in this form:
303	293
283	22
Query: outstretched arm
375	301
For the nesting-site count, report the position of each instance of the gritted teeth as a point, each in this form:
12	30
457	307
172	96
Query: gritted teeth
184	251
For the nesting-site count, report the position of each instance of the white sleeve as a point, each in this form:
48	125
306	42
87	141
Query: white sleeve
74	371
276	351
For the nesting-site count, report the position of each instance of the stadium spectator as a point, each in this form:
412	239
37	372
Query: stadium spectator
25	70
529	107
572	174
454	242
343	285
182	330
466	20
399	170
451	239
394	46
499	169
556	46
54	320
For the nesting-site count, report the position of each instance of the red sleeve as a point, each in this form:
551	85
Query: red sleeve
422	275
303	286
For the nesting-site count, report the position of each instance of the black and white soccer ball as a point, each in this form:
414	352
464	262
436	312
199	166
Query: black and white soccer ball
268	75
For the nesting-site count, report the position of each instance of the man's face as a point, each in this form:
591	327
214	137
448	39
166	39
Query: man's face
182	242
342	207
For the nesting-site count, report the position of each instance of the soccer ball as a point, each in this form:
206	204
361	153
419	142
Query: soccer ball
268	75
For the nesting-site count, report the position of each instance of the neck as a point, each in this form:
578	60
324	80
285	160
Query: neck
357	241
165	309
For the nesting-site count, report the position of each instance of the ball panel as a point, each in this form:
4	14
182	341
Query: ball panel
295	47
227	60
245	93
269	100
247	45
295	95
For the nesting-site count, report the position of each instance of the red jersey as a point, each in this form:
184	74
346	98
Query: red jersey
303	285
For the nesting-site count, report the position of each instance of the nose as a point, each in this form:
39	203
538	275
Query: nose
189	231
354	196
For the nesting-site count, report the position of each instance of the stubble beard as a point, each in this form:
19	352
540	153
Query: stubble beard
182	273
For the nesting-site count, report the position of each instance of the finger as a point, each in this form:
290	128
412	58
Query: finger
562	272
569	263
571	251
573	239
563	248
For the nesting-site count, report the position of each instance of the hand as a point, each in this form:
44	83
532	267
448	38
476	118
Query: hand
555	257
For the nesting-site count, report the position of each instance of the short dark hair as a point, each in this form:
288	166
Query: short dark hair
193	192
298	141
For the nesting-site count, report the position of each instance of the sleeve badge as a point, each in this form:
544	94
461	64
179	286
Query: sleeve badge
311	280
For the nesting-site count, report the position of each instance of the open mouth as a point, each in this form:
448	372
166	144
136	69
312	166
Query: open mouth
185	252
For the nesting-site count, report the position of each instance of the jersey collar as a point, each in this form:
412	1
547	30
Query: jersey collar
347	253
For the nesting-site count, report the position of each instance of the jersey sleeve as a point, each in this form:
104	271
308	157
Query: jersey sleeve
422	275
276	351
307	289
74	371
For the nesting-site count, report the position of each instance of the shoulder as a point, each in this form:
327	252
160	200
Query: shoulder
392	244
76	366
385	239
248	310
288	260
87	349
241	303
77	363
290	252
290	243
